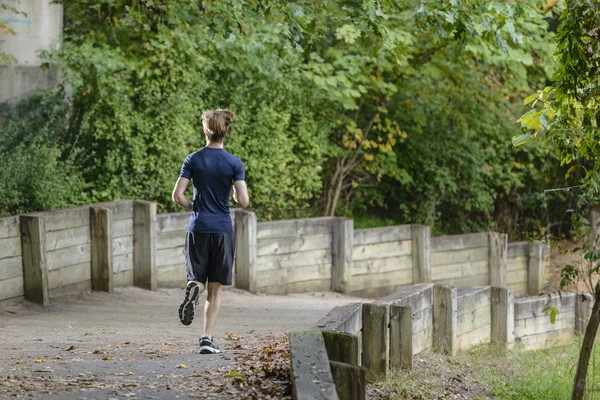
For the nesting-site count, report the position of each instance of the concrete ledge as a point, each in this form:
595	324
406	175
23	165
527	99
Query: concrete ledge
349	381
346	318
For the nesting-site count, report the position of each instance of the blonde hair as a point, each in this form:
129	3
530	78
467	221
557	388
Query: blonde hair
215	123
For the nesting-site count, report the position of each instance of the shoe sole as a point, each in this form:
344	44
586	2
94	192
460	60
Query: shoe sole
188	306
208	350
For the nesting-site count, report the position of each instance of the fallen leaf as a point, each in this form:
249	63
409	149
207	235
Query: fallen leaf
20	362
107	358
233	374
39	361
97	351
233	336
181	366
198	375
70	348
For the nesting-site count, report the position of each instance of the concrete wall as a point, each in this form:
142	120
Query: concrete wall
11	262
39	29
517	267
460	260
293	256
533	328
474	317
381	260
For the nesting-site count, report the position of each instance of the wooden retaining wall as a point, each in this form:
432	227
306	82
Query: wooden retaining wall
381	260
293	256
533	328
461	260
11	262
517	267
122	241
474	317
170	240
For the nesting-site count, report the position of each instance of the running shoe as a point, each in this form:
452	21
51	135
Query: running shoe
188	306
207	346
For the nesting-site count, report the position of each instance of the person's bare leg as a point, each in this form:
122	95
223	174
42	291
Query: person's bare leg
211	308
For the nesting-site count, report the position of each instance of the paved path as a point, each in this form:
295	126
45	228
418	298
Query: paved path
130	344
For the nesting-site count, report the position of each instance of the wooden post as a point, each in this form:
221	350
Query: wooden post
498	258
401	336
101	249
535	275
35	270
375	339
583	311
341	269
349	381
245	249
445	319
421	253
503	316
144	242
342	347
309	367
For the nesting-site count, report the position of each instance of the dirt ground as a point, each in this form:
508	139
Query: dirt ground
130	344
561	254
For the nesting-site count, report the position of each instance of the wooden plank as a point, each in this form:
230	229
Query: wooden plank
382	234
309	367
9	227
120	209
418	297
376	293
342	347
10	247
584	303
35	269
294	227
11	267
101	249
472	299
444	319
290	244
144	234
68	256
69	275
473	320
474	337
382	250
422	320
123	279
123	262
503	315
538	257
64	238
519	288
461	270
465	281
516	277
517	263
380	265
518	250
12	287
459	242
346	318
169	239
402	277
122	228
401	337
67	218
122	245
375	339
173	276
423	340
463	256
290	275
318	285
531	307
349	381
545	340
172	221
293	260
76	288
497	257
171	256
245	250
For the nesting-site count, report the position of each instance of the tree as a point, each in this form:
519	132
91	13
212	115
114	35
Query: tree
567	114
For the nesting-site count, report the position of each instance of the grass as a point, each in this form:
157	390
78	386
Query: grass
490	372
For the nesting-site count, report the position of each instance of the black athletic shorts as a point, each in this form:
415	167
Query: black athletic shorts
209	257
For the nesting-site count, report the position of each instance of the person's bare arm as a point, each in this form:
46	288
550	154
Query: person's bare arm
240	193
179	196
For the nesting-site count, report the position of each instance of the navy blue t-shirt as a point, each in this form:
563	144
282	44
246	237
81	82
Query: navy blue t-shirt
212	171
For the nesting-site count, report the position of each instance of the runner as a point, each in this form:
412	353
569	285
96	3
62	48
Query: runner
209	244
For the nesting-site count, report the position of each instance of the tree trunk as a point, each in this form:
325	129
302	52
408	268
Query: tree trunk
586	350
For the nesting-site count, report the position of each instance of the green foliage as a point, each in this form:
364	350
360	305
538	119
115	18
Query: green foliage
34	174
